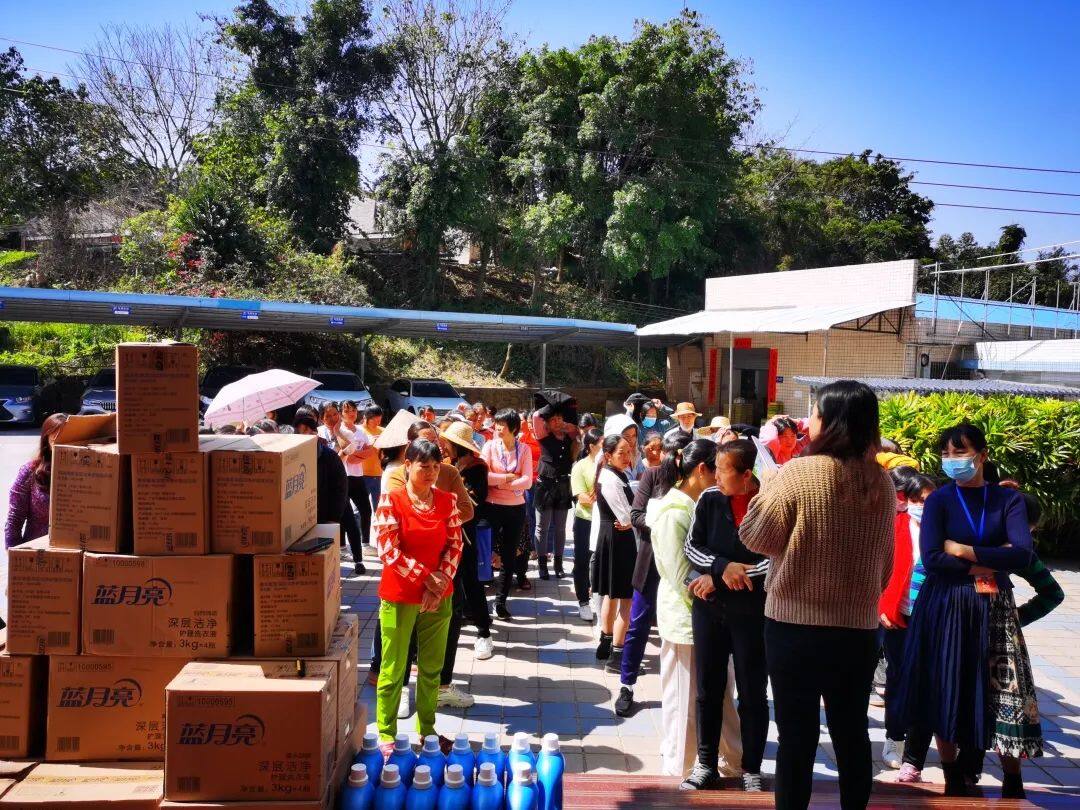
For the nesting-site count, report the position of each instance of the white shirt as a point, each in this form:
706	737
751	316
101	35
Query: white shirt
611	487
357	440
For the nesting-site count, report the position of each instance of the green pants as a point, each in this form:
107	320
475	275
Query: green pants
398	621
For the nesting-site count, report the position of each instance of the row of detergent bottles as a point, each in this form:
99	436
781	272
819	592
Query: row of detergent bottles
489	780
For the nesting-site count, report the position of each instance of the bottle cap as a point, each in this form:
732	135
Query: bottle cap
551	743
431	744
455	776
486	776
358	775
521	742
422	777
461	743
371	742
390	777
491	741
523	773
401	743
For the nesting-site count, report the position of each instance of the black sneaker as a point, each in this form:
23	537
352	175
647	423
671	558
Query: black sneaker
614	662
559	573
542	565
625	702
501	610
702	778
603	649
358	569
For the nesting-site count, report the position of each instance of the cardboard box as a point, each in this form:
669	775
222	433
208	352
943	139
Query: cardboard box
298	598
265	668
344	652
90	498
22	704
107	708
44	596
170	494
236	737
178	607
263	497
87	786
325	803
157	397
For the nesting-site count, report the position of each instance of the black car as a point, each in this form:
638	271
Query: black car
216	378
20	395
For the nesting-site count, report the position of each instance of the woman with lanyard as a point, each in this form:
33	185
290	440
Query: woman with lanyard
616	548
554	427
509	466
966	675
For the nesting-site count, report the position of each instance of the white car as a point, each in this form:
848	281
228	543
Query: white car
412	395
337	386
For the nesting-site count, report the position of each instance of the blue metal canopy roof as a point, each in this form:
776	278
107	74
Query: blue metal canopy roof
173	311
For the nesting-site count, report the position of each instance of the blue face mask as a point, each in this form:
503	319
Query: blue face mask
648	421
960	470
915	511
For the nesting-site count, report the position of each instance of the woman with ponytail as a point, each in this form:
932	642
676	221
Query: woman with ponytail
691	470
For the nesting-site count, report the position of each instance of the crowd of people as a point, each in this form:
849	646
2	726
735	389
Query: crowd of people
837	559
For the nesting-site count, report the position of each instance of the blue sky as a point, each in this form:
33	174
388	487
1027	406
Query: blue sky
986	82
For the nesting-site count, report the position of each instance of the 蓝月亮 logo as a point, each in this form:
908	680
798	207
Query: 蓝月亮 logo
247	729
155	591
125	693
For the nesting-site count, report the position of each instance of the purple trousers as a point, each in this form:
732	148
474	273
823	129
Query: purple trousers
642	618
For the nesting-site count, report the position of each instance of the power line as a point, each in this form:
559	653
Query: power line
995	188
1029	250
1006	266
1014	210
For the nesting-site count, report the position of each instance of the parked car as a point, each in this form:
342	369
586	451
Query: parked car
337	386
412	395
100	393
20	395
216	378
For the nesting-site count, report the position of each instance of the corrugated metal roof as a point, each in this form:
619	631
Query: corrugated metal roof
1029	355
899	385
171	311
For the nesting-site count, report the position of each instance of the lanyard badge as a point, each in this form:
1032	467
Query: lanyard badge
986	585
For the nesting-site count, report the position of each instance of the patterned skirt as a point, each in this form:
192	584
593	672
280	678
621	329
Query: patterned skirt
966	674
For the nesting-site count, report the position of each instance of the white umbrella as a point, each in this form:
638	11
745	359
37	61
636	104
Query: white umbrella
256	395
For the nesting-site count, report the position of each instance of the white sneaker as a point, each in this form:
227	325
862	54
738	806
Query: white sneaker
403	705
892	754
346	554
879	674
753	783
454	698
483	649
586	613
877	699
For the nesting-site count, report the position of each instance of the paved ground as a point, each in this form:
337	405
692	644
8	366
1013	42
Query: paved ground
544	678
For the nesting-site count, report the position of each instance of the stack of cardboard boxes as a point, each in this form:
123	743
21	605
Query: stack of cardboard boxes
176	641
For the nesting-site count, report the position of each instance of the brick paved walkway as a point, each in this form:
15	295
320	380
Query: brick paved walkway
545	678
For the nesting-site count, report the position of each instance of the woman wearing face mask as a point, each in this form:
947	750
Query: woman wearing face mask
966	676
651	416
912	489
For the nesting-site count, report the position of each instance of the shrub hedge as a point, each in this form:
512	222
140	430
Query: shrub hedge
1036	441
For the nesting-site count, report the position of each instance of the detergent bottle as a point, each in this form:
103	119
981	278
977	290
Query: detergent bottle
549	772
371	756
423	795
404	757
462	754
521	795
520	751
493	753
359	792
432	756
488	792
391	793
455	792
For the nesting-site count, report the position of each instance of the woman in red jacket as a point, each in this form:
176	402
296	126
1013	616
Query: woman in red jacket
419	539
912	488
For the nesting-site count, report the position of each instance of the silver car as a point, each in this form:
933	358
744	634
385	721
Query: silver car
412	395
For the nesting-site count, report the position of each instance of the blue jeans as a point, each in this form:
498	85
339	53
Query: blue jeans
642	618
373	484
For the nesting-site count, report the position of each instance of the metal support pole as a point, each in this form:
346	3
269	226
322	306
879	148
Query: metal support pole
1031	332
1012	283
637	378
543	365
363	356
986	299
825	356
1057	305
937	276
731	376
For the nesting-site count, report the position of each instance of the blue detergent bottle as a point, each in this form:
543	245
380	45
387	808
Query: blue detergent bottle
455	792
404	757
372	757
432	756
359	791
423	794
493	753
521	795
462	754
488	792
549	774
391	792
520	751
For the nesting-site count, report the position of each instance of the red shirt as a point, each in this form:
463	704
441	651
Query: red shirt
526	437
900	579
412	543
739	505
